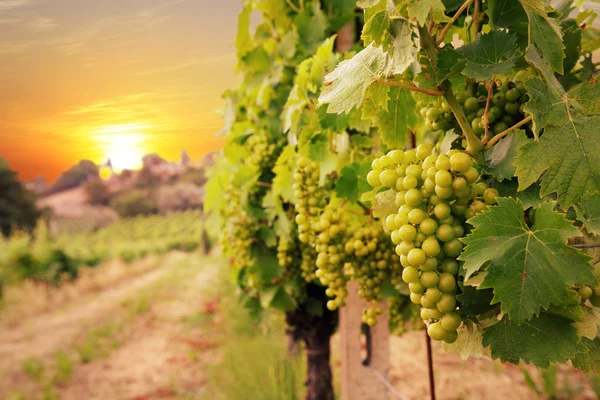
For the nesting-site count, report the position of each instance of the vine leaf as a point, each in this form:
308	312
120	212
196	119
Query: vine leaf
587	94
529	197
403	46
395	121
568	151
490	54
419	10
500	158
545	34
508	14
353	181
276	297
345	87
588	326
284	172
376	29
449	138
468	344
530	268
588	360
531	340
588	212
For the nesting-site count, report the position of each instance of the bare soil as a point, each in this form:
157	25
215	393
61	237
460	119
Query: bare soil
159	347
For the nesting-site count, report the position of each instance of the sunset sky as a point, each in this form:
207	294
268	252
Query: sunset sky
88	79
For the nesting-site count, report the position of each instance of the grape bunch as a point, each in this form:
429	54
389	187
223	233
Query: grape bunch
371	261
263	149
238	231
289	257
333	230
505	109
312	199
434	195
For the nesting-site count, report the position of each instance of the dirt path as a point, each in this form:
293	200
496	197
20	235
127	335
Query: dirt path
142	344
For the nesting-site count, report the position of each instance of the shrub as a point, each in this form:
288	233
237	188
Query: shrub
135	202
17	204
97	192
75	176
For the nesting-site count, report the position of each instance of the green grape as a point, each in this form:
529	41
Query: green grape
585	292
388	178
416	257
431	247
429	279
410	275
450	321
436	331
513	95
471	104
447	283
489	196
450	337
373	178
447	303
453	248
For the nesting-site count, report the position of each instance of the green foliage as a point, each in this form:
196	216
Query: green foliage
520	97
34	368
97	192
75	176
17	204
133	203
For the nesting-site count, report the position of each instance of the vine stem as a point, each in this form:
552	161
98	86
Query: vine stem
430	367
267	185
586	246
484	119
499	136
476	11
410	87
462	8
474	145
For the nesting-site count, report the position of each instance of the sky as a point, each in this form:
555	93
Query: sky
90	79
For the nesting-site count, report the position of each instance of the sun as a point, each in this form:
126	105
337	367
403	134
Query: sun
124	145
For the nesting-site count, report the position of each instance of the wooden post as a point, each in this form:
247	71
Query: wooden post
361	382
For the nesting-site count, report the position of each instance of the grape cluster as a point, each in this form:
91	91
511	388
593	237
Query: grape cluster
238	231
312	199
289	257
434	195
505	110
332	228
263	149
371	261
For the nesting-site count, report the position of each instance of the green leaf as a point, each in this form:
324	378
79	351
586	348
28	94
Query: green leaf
568	152
376	29
588	360
545	34
500	158
403	54
572	42
345	87
353	181
243	40
388	290
284	173
449	138
529	197
468	344
395	122
419	10
508	14
587	94
588	212
314	307
267	235
530	268
588	326
531	340
265	266
277	298
490	54
474	301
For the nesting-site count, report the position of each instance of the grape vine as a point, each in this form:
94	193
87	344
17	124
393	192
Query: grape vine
449	163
